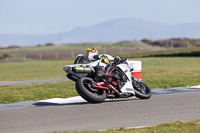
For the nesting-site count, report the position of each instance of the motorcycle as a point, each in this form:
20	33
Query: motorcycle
100	79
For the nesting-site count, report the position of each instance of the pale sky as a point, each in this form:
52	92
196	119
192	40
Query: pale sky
55	16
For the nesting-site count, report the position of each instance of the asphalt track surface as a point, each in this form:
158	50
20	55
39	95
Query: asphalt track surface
160	108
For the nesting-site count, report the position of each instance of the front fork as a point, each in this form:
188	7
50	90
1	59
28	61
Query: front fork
136	82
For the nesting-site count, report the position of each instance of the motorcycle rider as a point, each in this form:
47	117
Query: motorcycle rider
91	54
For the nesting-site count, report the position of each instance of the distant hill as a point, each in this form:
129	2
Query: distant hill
26	40
110	31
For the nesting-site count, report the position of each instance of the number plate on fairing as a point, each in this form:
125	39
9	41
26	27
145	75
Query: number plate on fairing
129	89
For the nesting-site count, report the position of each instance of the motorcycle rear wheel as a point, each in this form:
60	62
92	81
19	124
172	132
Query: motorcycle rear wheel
84	89
143	91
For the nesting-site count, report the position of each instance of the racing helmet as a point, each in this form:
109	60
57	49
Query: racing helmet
91	50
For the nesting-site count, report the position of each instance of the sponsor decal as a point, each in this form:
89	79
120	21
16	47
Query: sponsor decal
129	89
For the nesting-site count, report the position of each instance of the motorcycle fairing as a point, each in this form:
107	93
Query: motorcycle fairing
128	87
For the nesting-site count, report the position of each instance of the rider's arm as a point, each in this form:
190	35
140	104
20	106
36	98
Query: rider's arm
109	57
96	57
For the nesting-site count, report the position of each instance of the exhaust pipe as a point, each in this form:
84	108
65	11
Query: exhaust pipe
113	88
81	70
73	77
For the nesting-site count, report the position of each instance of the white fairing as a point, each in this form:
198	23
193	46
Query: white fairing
126	69
128	87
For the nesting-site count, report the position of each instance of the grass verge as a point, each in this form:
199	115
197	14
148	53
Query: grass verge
176	127
33	70
171	72
11	94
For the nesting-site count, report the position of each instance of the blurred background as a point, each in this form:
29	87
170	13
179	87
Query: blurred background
48	29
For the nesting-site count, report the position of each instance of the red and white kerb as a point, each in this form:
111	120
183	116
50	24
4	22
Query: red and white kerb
137	68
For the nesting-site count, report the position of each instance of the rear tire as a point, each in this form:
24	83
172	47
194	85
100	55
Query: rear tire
84	89
143	91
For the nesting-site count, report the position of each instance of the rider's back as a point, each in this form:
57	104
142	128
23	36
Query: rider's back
81	59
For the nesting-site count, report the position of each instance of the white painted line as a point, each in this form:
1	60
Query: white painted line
198	86
71	100
77	99
136	127
124	127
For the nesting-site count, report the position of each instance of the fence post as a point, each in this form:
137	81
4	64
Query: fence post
104	50
40	56
56	55
121	50
7	59
24	57
72	54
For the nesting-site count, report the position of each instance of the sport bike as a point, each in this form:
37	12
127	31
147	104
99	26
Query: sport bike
100	79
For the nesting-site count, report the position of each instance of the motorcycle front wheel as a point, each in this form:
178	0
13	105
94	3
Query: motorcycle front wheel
142	91
84	89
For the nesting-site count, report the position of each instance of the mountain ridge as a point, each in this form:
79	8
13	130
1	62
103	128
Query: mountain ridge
108	31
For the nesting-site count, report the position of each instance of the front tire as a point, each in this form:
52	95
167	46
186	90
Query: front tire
84	89
143	91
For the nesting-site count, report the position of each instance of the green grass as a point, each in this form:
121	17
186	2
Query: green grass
33	70
157	72
171	72
11	94
176	127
